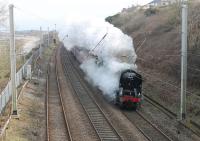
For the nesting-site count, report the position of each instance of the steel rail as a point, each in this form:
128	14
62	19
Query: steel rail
163	109
98	119
148	138
153	125
47	106
60	99
170	114
138	124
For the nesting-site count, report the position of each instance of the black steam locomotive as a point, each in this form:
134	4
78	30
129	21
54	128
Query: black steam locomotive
129	93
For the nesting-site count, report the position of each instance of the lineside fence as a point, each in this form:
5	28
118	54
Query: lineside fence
22	74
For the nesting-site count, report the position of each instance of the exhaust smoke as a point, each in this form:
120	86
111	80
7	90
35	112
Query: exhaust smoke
115	52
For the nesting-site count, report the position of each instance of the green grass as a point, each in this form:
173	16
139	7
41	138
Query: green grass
5	60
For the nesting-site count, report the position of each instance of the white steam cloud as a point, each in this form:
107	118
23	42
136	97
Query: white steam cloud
115	53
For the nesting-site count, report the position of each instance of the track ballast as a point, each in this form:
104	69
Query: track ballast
102	126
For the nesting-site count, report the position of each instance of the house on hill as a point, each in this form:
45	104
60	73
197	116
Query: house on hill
159	3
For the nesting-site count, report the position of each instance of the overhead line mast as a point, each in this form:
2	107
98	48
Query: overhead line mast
13	61
184	60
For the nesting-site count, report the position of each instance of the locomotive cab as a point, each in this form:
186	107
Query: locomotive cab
129	93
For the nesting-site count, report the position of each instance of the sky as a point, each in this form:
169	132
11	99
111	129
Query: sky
33	13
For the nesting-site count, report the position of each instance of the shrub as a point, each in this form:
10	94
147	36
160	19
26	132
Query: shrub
110	18
150	12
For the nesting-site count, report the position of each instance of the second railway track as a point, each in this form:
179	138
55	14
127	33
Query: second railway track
172	115
148	129
102	126
95	114
57	124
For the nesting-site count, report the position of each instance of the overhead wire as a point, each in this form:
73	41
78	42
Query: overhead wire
138	48
31	13
194	54
58	26
99	42
44	19
164	82
178	55
176	87
189	66
159	87
164	89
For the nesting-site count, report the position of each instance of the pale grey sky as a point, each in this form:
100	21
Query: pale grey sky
62	11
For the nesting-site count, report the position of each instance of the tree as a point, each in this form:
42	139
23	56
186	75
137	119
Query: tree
3	14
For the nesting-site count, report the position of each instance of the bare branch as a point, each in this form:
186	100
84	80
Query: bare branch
3	14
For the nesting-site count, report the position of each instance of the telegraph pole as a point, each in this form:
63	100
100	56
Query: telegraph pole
183	60
40	51
13	61
48	36
55	32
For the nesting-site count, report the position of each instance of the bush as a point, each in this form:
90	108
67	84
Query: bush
150	12
110	18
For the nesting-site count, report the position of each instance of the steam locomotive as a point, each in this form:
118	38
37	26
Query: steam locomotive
129	93
130	84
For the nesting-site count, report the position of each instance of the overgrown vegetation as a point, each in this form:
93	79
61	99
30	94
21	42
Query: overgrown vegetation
150	11
5	60
162	28
110	18
3	14
157	41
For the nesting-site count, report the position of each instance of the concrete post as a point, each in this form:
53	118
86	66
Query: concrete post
13	61
48	37
40	50
183	61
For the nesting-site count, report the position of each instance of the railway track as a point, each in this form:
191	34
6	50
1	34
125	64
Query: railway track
78	86
57	124
173	115
102	126
146	127
194	123
163	109
160	135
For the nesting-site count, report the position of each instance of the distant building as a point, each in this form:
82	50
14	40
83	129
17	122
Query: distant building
159	3
147	6
130	9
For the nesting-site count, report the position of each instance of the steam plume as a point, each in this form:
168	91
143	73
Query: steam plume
115	53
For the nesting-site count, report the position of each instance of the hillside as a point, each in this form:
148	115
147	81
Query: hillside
157	40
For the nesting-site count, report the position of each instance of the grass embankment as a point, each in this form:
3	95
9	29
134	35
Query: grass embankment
5	60
156	35
31	105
